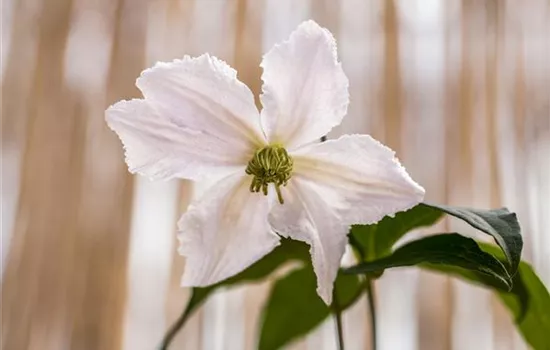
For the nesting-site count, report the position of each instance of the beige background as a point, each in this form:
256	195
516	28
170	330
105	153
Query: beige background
460	89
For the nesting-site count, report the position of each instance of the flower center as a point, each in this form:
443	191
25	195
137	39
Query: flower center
270	164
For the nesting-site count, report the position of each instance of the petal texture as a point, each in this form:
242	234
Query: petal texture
159	149
224	232
204	94
365	176
335	184
305	91
308	215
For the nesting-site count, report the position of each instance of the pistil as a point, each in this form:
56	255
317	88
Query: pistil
270	164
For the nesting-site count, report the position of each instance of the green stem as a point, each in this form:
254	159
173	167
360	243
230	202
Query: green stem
372	310
338	319
198	297
175	328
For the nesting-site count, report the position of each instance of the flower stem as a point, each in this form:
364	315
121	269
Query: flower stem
338	319
198	297
372	310
175	328
340	330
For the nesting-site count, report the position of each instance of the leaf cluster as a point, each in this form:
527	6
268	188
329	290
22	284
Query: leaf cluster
294	309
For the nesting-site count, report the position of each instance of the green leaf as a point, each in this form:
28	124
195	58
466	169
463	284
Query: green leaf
535	325
528	301
376	240
501	224
287	251
293	308
346	291
518	287
445	249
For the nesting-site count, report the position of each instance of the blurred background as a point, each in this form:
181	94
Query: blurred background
460	89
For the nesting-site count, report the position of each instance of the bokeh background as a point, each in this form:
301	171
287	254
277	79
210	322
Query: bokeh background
460	89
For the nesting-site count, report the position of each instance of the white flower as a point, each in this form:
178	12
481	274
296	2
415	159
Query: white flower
197	120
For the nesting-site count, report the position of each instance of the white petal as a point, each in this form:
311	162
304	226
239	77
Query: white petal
305	91
307	215
157	148
203	94
224	232
354	179
366	178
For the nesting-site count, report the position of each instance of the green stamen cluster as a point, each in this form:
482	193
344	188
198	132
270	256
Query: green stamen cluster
270	164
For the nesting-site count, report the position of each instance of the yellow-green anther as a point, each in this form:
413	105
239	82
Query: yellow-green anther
270	164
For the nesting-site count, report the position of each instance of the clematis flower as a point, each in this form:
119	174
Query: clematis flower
272	177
